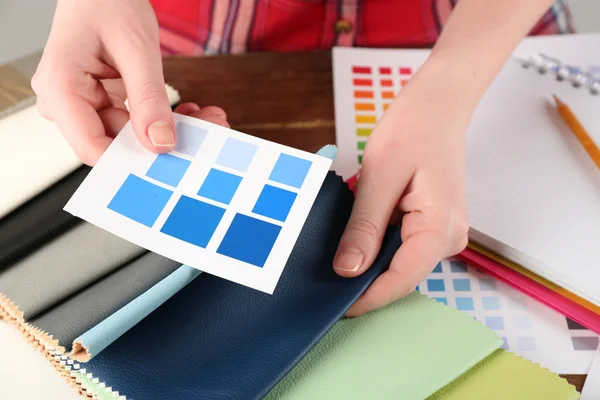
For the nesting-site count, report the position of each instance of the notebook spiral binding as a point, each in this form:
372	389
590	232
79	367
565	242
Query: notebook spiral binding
578	77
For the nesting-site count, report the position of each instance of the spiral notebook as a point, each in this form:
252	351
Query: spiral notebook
533	192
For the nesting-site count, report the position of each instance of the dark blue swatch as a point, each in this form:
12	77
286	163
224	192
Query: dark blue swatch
249	240
274	202
290	170
168	169
219	186
140	200
193	221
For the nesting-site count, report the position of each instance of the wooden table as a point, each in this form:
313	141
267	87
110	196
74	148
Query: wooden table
286	98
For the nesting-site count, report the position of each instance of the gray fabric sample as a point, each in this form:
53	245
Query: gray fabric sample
64	266
81	312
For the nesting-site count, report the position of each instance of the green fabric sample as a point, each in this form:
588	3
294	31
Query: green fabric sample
407	350
503	376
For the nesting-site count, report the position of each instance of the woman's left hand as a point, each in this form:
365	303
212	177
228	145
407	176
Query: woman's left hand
413	170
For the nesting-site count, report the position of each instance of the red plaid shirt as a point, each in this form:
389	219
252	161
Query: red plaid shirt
194	27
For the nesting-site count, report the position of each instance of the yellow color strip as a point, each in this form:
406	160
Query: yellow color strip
524	271
366	119
363	132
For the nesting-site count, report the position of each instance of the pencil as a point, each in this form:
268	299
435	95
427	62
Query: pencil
584	138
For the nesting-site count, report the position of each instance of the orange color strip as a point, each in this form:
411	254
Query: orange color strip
364	107
366	119
359	94
386	82
387	95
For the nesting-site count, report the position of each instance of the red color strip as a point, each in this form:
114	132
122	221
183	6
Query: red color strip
363	82
385	71
405	70
361	70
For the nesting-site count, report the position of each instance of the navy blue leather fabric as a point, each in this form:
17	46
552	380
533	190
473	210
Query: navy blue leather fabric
219	340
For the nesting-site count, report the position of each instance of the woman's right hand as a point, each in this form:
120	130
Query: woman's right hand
99	53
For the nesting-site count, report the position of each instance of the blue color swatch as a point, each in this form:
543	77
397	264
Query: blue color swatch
140	200
458	266
219	186
491	303
168	169
442	300
249	240
237	154
495	323
504	344
290	170
193	221
436	285
438	268
189	138
461	285
465	304
274	202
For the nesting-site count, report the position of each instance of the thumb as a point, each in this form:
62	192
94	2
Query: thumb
140	67
377	197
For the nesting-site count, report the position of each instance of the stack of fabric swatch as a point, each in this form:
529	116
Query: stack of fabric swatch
117	321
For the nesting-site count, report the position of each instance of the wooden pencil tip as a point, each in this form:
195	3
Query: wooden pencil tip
557	100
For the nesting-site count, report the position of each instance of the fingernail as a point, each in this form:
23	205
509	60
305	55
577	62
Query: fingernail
349	260
161	134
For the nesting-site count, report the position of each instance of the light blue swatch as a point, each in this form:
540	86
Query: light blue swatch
491	303
465	303
236	154
189	138
99	337
290	170
461	285
168	169
220	186
495	323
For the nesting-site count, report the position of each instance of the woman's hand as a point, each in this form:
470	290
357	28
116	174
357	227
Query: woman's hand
414	170
98	54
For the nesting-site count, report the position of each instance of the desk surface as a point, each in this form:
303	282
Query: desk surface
286	98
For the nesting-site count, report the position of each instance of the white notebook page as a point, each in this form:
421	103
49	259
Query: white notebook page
533	192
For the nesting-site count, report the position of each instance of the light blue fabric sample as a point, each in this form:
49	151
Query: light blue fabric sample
99	337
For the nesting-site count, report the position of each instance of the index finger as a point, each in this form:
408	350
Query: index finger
413	262
81	126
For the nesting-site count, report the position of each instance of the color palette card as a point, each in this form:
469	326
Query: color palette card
223	202
365	83
527	327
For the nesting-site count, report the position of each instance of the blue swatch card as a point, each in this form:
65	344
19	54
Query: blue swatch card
223	202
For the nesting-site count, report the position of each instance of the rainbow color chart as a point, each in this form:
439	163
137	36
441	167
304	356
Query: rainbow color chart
366	82
369	83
